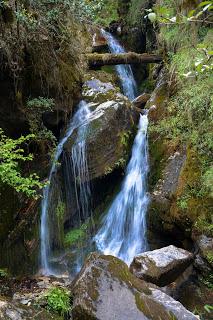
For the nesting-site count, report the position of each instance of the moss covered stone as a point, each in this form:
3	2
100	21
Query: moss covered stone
105	289
111	127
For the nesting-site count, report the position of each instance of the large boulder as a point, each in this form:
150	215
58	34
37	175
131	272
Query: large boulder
110	129
105	289
161	266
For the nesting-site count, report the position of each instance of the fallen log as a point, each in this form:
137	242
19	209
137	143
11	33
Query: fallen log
99	60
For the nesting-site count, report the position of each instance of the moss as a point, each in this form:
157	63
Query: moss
140	303
76	235
209	257
120	271
157	151
204	224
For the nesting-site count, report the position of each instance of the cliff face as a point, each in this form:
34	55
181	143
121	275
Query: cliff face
41	58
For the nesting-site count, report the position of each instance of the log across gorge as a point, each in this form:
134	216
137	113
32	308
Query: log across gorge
98	60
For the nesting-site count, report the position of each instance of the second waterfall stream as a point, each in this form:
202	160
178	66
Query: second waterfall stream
123	231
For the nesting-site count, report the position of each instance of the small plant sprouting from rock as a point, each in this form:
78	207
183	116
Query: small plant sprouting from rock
75	235
58	300
124	136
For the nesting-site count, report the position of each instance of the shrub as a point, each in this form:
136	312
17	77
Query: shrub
11	154
58	300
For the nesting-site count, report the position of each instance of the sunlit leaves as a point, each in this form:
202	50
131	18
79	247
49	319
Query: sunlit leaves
11	154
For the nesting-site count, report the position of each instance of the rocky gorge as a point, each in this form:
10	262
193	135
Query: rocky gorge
107	169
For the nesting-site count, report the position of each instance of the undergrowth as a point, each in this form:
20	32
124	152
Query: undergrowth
58	300
189	120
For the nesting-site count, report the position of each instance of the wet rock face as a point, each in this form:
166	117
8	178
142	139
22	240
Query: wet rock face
141	100
159	216
204	261
105	289
161	266
110	129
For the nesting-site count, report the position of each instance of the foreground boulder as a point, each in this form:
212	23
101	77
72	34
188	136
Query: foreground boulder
105	289
17	311
161	266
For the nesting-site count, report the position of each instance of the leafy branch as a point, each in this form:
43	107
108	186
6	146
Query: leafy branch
12	153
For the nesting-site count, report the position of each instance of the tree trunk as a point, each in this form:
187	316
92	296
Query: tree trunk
99	60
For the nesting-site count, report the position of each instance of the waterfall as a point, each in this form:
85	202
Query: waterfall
47	210
80	173
124	71
123	231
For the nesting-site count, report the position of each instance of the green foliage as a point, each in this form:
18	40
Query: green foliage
124	138
208	308
204	225
135	15
209	256
3	273
36	107
208	281
26	18
58	300
98	11
75	235
169	13
11	154
41	104
207	181
189	117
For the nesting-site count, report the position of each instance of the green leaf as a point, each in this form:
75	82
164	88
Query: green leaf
208	308
204	3
191	13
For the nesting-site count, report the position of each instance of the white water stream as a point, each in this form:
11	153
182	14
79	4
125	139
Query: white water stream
124	72
80	117
123	231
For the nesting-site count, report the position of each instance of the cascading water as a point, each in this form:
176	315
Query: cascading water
124	71
81	174
80	118
77	178
123	232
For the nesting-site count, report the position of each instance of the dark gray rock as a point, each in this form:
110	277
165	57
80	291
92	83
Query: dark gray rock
159	217
105	289
110	130
161	266
204	258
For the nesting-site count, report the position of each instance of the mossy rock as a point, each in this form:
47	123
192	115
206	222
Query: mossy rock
105	289
111	128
